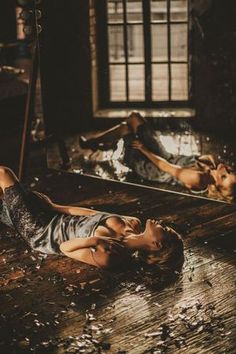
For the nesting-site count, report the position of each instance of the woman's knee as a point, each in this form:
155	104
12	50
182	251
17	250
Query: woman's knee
6	174
4	170
125	129
135	119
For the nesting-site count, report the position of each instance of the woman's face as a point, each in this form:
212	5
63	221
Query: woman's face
156	234
225	179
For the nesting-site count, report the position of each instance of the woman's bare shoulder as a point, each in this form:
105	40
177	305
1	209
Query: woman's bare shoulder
102	231
115	221
193	178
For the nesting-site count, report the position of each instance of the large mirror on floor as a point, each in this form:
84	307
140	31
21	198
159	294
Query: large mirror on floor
167	60
182	161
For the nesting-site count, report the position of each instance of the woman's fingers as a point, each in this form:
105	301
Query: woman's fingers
109	239
109	244
116	243
136	144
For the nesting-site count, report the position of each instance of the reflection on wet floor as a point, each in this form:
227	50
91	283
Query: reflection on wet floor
110	165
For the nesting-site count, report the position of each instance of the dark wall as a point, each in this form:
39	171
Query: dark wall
65	65
215	66
7	21
65	58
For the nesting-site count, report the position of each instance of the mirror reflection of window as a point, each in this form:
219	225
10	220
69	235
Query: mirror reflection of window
148	50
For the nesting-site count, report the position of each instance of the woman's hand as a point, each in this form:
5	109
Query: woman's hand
208	159
136	144
108	244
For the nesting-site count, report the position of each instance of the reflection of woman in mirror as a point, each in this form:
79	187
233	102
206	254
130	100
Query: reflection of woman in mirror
146	155
97	238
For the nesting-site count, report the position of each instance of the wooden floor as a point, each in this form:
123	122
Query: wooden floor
57	305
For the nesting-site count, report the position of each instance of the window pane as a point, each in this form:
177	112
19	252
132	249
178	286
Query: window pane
136	82
179	41
179	10
158	10
135	43
159	43
117	83
179	82
134	11
115	11
116	43
160	79
162	88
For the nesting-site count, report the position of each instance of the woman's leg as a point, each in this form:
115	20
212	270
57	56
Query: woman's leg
7	178
107	138
151	139
135	120
144	132
24	209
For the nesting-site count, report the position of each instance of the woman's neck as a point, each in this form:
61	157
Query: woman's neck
135	241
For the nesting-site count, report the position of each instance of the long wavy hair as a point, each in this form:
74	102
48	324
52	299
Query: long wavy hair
215	192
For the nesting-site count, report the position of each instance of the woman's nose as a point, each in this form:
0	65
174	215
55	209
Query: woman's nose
220	166
160	227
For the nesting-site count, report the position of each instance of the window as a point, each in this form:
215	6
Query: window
143	52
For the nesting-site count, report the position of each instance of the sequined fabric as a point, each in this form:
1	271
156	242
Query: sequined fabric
41	227
4	214
25	211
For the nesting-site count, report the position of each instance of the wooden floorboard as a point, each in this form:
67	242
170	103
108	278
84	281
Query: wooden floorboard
57	305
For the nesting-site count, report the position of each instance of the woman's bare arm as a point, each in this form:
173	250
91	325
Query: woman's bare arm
189	177
73	210
86	255
66	209
81	249
78	243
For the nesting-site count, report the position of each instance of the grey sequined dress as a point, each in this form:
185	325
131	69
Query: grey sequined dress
42	228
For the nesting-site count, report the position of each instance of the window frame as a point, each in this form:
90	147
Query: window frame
103	61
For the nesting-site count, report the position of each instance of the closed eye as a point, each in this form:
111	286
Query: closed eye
230	171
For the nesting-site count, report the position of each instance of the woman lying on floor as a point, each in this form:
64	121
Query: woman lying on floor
201	175
100	239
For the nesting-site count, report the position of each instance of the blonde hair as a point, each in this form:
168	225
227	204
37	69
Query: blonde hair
170	256
214	192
